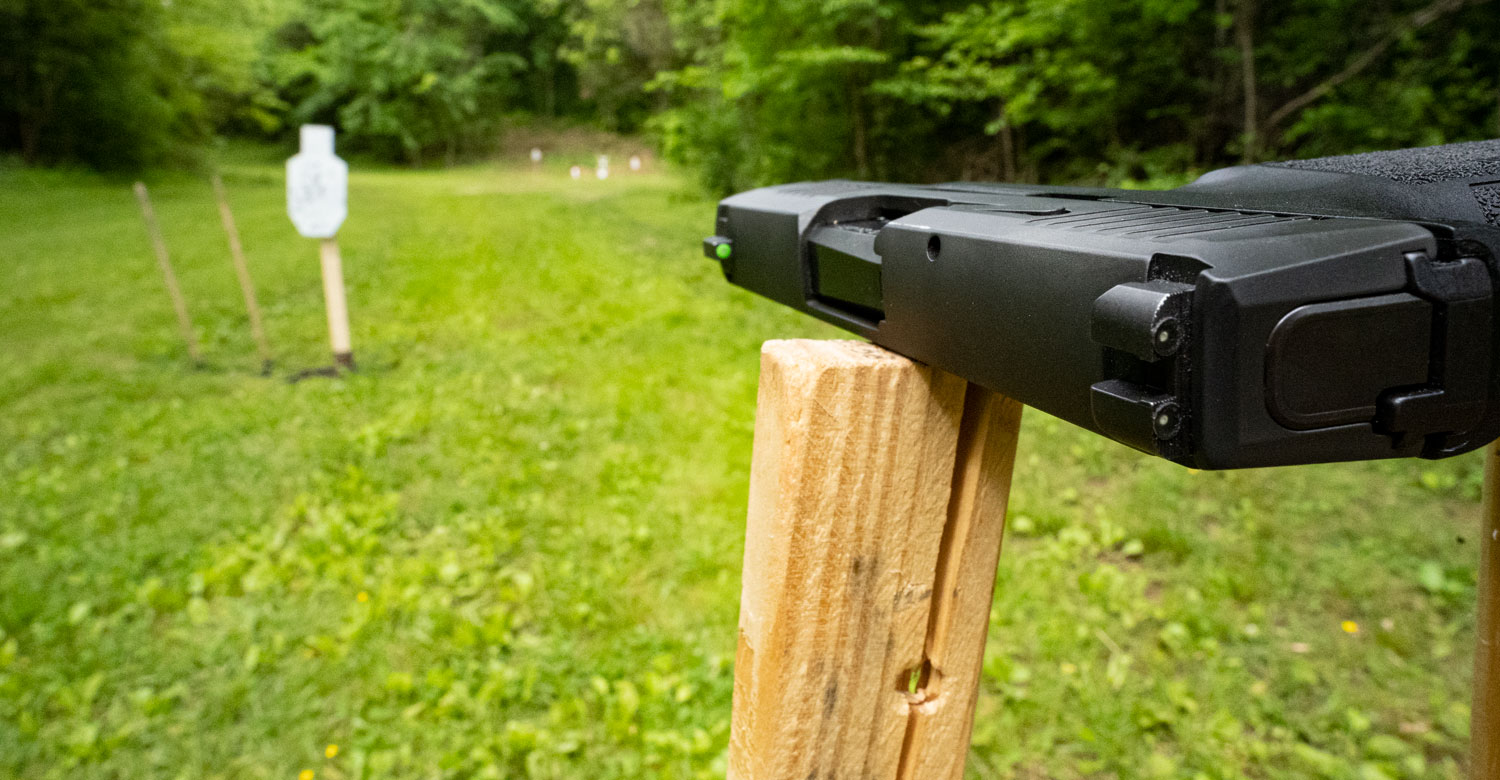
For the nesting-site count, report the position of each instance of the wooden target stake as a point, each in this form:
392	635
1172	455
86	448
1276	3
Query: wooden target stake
242	271
878	492
338	308
184	322
317	188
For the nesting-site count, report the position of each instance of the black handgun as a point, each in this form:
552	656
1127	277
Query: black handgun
1321	310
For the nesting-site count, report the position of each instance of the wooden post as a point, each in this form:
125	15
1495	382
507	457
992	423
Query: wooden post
184	323
242	270
877	501
1485	725
317	200
338	308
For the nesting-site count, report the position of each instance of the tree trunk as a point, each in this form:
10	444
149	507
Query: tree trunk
1220	122
1007	148
1030	172
31	138
861	143
1244	36
32	127
549	94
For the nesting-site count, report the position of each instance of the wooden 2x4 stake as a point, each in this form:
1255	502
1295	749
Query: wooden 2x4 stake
159	246
338	307
242	272
878	491
877	501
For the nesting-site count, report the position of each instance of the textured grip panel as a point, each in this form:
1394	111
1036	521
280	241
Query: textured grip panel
1488	196
1470	162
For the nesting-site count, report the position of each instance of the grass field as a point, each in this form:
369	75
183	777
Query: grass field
510	545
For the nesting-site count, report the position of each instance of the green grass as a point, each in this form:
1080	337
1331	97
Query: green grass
510	545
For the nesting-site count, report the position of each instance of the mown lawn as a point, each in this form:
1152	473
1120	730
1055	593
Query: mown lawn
510	545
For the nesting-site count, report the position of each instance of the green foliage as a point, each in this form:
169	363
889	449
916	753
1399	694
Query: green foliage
403	78
1052	78
1073	91
778	91
510	545
617	47
220	42
1155	87
92	81
756	91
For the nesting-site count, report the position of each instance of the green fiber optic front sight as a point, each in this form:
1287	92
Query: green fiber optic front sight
718	248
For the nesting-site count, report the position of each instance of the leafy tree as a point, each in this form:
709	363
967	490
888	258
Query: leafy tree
219	43
783	89
617	47
755	91
1401	73
94	81
1079	89
403	77
1075	89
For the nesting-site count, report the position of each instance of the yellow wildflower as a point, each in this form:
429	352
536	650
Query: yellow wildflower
331	751
1350	627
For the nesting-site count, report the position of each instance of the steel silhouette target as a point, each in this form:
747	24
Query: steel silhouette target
317	185
317	200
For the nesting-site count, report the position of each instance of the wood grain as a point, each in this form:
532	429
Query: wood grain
338	307
242	272
853	523
164	263
942	715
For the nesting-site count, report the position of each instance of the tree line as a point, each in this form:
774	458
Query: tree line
754	91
